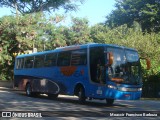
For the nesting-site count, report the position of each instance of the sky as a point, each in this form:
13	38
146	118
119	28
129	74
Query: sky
94	10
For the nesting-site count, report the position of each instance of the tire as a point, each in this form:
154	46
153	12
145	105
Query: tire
52	96
81	95
28	90
109	101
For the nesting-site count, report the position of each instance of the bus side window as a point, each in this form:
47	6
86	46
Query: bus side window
64	59
39	61
22	63
51	60
79	57
19	63
29	62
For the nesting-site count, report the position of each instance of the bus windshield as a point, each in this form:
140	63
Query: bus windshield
132	67
126	66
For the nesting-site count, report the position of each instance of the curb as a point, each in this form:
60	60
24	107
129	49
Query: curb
8	89
150	99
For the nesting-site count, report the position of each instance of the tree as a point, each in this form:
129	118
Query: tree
18	35
145	12
56	37
98	33
32	6
79	32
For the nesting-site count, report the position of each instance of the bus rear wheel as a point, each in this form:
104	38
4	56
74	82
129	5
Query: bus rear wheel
109	101
81	95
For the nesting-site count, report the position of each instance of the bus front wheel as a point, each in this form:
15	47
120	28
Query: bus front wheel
81	95
109	101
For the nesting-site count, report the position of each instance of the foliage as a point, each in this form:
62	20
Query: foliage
98	33
33	6
59	36
79	32
22	33
145	12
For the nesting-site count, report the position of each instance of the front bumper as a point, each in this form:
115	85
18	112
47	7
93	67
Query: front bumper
123	95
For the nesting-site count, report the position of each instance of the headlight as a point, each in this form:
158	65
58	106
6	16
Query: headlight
112	87
129	89
139	89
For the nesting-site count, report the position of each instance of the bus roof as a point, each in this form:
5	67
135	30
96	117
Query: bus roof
74	47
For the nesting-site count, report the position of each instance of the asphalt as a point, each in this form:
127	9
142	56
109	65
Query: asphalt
14	89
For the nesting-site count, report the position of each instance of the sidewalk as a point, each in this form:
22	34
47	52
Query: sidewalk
8	89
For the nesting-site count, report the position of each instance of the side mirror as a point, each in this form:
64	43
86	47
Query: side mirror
148	63
110	58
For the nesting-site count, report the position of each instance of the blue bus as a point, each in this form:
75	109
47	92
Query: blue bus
89	71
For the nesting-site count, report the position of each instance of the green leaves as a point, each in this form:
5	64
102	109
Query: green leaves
34	6
145	12
78	32
22	33
17	35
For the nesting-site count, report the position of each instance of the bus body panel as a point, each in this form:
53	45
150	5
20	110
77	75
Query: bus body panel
59	77
40	85
102	92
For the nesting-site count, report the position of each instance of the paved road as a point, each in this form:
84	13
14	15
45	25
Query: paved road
17	101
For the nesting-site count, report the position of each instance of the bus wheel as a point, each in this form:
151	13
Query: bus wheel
28	90
81	95
109	101
52	96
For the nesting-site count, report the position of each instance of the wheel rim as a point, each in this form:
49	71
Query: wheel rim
80	94
28	90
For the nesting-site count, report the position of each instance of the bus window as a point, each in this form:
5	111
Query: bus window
116	70
20	63
17	63
29	62
79	57
39	61
64	59
51	60
97	61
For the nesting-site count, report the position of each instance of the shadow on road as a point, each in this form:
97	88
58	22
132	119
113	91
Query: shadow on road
91	103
